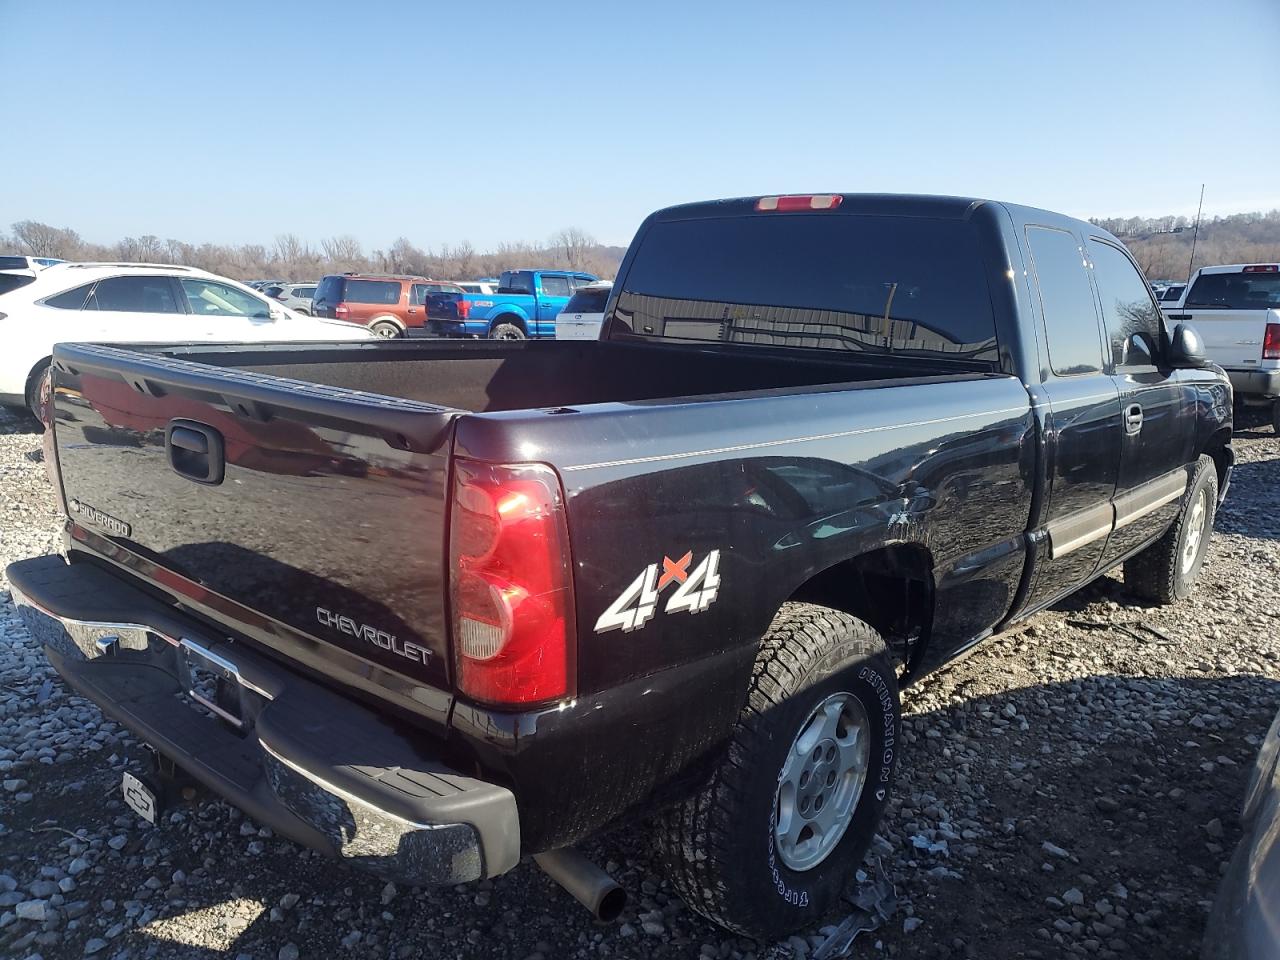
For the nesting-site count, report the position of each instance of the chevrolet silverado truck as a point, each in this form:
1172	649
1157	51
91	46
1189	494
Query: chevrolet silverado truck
432	606
524	306
1236	309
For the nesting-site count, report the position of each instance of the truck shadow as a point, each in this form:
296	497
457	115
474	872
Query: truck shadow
16	422
1120	773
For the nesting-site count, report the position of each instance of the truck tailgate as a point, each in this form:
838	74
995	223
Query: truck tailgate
1232	338
308	518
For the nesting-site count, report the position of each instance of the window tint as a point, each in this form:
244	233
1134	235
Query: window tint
48	261
1173	292
134	295
555	286
889	285
1127	307
210	299
273	291
14	281
329	289
385	292
72	299
516	283
1070	318
14	263
304	292
1235	291
588	301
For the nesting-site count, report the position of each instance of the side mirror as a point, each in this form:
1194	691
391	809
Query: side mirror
1186	348
1138	352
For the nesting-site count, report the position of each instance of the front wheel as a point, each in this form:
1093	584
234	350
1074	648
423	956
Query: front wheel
37	390
775	836
1166	571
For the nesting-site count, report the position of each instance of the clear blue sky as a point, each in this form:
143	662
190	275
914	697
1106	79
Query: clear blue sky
482	121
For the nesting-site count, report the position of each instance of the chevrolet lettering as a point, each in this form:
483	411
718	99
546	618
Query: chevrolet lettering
379	638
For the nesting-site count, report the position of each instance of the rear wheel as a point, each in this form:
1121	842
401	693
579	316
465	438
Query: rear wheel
507	331
1275	415
774	837
385	329
1166	571
35	384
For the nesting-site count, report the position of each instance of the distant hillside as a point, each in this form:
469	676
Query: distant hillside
291	258
1162	245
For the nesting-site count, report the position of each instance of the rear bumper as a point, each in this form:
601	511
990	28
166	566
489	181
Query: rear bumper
1255	383
318	768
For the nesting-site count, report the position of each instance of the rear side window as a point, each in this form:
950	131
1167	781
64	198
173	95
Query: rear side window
329	289
1235	291
14	263
588	301
1127	307
134	295
555	286
383	292
886	285
1070	318
304	292
14	281
72	299
516	283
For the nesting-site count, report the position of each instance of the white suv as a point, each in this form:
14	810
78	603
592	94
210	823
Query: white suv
132	303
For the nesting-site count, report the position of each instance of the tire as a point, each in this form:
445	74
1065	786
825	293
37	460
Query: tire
1166	571
720	847
507	331
385	329
1275	415
32	393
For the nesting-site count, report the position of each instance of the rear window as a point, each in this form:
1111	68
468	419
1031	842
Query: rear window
588	301
1235	291
14	263
13	281
889	285
372	291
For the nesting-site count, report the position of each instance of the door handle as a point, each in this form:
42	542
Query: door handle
1132	418
195	451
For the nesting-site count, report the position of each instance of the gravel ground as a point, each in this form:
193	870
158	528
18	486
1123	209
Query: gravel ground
1071	789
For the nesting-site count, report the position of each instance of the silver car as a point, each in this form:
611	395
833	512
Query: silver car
1245	921
295	296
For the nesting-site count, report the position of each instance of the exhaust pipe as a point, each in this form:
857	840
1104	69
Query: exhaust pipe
589	885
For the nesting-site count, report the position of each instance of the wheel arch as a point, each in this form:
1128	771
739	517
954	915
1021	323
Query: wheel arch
1218	447
891	588
514	319
387	318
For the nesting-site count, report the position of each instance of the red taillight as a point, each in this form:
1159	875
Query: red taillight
800	201
464	309
341	311
1262	268
510	584
1271	342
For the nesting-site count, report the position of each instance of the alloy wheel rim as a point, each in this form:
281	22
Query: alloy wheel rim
1195	531
821	781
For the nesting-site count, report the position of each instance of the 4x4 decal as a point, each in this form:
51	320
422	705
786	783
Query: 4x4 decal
636	606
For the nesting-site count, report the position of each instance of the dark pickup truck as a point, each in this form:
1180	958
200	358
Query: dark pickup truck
432	606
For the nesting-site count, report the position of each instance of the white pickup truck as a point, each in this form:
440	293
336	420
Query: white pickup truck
1236	309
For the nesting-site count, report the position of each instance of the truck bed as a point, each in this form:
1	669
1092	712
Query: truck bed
491	377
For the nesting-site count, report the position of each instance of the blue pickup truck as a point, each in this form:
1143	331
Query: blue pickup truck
524	306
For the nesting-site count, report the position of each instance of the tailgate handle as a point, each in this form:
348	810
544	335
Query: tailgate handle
195	451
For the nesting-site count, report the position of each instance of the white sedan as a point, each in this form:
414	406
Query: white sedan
134	303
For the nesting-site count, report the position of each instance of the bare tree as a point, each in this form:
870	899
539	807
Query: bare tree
42	240
573	244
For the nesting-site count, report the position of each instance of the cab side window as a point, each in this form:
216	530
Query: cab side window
1070	318
555	286
1132	319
